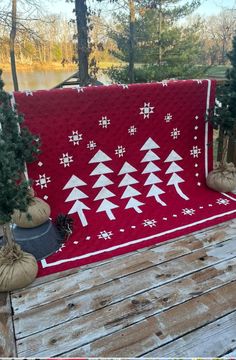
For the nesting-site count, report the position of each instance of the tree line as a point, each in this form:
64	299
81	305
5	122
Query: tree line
50	40
156	38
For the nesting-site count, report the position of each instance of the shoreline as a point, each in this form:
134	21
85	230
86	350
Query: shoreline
55	66
38	66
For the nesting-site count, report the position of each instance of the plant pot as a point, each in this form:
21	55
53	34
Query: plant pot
40	241
37	214
222	179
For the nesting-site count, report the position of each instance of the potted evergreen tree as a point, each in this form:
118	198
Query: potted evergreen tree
17	268
223	117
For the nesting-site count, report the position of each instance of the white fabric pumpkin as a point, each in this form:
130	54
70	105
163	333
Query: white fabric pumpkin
222	179
17	268
37	214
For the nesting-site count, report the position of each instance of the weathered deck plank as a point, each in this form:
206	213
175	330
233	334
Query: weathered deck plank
7	340
88	278
157	330
116	317
78	304
215	338
136	304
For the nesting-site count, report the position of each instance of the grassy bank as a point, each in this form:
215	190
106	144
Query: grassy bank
217	72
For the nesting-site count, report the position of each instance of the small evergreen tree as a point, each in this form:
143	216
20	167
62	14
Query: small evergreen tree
16	148
224	117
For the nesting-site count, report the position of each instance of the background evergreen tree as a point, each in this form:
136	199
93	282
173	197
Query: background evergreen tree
163	48
16	148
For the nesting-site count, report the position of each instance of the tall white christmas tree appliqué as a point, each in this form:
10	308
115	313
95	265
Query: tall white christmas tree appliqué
130	191
150	169
175	179
102	182
76	195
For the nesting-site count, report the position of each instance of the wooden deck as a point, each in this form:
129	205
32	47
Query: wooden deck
177	299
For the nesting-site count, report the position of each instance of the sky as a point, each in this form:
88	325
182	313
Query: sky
208	7
212	7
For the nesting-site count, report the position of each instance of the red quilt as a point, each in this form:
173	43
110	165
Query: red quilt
128	163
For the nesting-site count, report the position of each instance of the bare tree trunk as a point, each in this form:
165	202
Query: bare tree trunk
12	46
82	29
223	52
131	40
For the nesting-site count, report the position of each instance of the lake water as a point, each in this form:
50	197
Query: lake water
42	79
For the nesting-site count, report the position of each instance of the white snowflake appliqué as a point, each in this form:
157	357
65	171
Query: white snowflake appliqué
28	93
105	235
132	130
91	145
187	211
198	81
149	223
146	110
175	133
164	83
222	201
195	151
75	137
120	151
124	86
66	159
43	181
168	117
104	122
78	88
